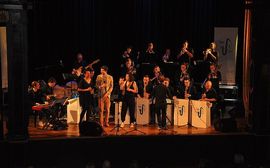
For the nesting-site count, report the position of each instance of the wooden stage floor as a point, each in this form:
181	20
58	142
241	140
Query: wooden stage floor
72	131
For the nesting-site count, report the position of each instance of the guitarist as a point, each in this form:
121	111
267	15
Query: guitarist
78	66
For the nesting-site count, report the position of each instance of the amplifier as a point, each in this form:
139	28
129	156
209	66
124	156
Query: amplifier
229	92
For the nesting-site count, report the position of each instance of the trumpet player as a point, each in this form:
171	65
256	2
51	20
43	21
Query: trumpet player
210	54
185	55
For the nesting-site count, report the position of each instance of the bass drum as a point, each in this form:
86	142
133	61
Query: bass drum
72	89
59	92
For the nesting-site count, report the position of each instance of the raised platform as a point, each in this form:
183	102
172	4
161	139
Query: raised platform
177	146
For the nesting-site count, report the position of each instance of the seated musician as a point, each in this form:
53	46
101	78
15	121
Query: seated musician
188	91
128	68
166	82
210	95
37	98
155	78
48	89
180	76
214	76
144	88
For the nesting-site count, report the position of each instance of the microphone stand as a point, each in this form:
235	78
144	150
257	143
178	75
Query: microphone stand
117	126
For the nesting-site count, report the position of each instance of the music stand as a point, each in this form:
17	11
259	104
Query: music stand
117	126
189	125
162	130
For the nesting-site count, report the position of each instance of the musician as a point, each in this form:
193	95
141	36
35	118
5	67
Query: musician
209	94
180	76
48	89
185	55
129	68
155	78
78	66
160	94
104	84
167	56
166	82
36	98
188	91
211	55
149	55
86	91
215	77
130	90
145	88
128	53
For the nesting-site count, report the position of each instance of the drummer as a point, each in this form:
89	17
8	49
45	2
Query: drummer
48	90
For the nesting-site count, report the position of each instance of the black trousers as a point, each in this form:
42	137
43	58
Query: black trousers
128	104
152	114
160	109
86	109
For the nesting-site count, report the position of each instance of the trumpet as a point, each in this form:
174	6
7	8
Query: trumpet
209	51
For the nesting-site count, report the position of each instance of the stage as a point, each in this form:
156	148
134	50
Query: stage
184	146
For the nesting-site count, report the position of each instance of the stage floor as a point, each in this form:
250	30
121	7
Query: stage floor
72	131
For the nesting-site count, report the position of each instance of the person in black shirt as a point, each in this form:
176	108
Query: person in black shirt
128	53
215	77
48	90
185	55
211	55
36	97
209	94
149	55
86	91
145	88
160	94
180	76
130	90
166	82
188	91
129	68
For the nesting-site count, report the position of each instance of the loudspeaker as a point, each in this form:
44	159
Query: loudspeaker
225	125
90	128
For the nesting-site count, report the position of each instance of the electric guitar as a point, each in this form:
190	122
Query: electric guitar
78	71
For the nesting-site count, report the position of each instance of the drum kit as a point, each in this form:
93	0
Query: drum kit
70	90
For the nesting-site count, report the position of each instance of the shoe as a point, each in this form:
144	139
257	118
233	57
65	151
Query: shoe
107	124
159	128
122	125
131	125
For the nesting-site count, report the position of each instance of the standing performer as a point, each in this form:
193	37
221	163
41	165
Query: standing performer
104	83
160	93
185	54
211	54
86	91
130	90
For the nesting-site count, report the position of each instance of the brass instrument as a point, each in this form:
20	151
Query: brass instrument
209	51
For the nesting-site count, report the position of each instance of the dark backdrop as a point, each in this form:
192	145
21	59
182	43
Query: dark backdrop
102	29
